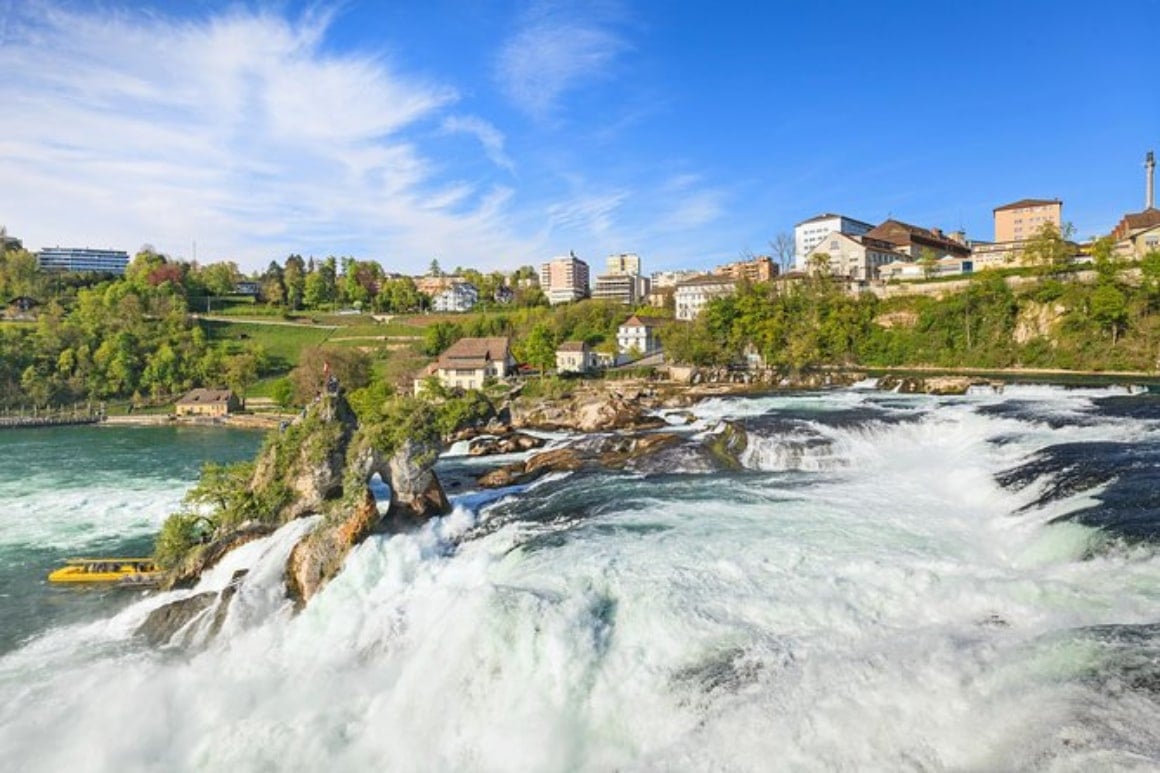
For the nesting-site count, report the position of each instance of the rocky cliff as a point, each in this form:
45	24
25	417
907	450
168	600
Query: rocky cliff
322	463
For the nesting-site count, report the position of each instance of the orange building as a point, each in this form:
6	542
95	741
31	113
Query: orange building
1021	220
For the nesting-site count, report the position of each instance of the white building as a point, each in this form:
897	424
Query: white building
469	362
662	279
461	296
809	233
854	257
640	335
913	271
692	295
574	357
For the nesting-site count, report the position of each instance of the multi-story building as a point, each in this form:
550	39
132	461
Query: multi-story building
461	296
914	241
82	259
628	289
1021	220
564	279
663	279
640	335
760	269
857	258
692	295
433	285
809	233
624	263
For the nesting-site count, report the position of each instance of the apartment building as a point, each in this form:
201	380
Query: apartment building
623	263
459	297
1022	219
628	289
564	279
82	259
760	269
693	295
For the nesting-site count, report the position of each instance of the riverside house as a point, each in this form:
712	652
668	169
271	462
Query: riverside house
638	335
574	357
213	403
468	362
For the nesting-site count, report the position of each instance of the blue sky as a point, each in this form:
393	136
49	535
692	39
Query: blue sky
495	133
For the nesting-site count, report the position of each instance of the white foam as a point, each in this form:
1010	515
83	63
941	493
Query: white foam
890	613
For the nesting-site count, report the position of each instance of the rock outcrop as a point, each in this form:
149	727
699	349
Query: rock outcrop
321	464
934	385
302	469
514	443
591	409
415	491
164	624
648	453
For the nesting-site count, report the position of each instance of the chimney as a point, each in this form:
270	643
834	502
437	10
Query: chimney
1150	174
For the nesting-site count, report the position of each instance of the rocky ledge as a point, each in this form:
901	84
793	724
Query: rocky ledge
935	385
642	452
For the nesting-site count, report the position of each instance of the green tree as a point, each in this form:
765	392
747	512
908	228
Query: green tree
927	261
294	277
1109	309
437	337
539	348
1049	248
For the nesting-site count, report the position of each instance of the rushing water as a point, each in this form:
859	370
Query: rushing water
893	583
80	491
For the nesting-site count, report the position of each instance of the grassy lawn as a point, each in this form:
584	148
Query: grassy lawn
283	343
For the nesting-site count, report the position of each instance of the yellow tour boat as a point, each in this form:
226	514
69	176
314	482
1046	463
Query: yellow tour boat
127	572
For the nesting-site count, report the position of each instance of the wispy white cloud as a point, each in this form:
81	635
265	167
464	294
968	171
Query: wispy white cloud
240	132
491	138
552	52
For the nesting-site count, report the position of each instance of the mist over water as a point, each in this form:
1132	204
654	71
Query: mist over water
892	583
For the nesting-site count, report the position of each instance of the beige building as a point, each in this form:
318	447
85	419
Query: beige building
694	294
624	263
760	269
855	257
564	279
1021	220
574	357
1140	243
215	403
629	289
469	362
